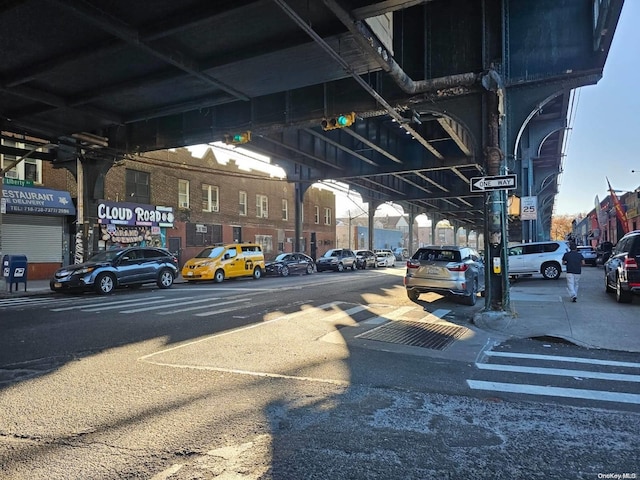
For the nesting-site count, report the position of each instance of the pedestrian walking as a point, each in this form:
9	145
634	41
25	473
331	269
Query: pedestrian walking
574	261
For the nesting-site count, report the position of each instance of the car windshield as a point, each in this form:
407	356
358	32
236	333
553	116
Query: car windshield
210	252
332	253
105	256
282	256
438	255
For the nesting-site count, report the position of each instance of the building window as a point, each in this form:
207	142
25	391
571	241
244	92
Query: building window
210	196
28	169
242	200
262	206
266	242
137	186
327	216
317	214
183	193
285	209
201	235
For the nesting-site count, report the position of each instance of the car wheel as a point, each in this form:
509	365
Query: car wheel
353	266
413	294
551	271
219	276
622	296
309	269
607	287
284	272
257	273
165	279
340	267
473	295
105	283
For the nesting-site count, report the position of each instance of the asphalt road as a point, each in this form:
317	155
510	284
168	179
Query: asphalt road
298	377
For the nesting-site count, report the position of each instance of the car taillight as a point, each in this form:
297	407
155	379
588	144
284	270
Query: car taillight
461	267
413	264
630	263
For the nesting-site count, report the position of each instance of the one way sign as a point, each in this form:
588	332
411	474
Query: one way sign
496	182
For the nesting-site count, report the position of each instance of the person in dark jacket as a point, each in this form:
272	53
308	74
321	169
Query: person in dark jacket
574	261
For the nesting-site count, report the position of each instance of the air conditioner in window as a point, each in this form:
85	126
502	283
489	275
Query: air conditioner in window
201	228
289	240
214	208
184	204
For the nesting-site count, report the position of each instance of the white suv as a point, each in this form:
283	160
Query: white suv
538	257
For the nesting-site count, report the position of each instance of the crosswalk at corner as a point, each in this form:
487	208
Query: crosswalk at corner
542	375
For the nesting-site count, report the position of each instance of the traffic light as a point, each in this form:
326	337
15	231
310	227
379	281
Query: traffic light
344	120
238	138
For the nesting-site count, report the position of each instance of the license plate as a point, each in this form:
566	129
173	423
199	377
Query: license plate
189	274
432	270
57	285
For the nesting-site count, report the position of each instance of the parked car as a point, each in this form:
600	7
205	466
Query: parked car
447	270
401	254
124	267
622	270
366	259
338	259
286	264
589	254
538	257
385	258
225	261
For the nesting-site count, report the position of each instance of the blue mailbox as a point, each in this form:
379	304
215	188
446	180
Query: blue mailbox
14	270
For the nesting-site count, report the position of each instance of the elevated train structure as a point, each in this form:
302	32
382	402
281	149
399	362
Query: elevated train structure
403	100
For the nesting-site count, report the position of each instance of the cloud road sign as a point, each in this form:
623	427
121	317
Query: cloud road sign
496	182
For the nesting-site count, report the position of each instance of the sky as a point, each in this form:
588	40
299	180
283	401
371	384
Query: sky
603	140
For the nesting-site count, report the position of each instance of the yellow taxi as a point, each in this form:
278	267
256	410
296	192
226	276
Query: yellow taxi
225	261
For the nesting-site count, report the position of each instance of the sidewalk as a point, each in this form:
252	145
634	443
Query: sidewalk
540	308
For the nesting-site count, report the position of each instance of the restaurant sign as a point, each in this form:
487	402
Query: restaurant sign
116	213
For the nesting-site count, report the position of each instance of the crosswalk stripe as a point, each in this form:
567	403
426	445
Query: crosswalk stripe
173	302
106	304
555	391
216	312
561	372
344	313
559	358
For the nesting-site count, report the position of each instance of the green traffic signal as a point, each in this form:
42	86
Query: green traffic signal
343	120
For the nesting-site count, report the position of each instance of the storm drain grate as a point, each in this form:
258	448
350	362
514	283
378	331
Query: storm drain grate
435	336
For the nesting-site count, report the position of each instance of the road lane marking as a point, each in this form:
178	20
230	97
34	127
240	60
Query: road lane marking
554	391
158	307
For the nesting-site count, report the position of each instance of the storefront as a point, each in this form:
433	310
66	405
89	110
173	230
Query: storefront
127	224
36	223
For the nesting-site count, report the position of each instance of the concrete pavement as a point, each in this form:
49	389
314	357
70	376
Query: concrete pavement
539	308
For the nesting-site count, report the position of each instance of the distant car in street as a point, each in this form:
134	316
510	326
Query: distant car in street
448	270
401	254
338	259
366	259
386	258
124	267
286	264
622	270
589	254
604	252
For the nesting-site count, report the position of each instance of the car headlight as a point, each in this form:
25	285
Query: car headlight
85	270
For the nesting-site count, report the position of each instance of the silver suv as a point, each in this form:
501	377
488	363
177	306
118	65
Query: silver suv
532	258
447	270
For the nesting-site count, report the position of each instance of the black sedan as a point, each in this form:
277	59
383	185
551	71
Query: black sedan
126	267
286	264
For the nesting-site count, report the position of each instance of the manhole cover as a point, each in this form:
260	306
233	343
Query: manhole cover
435	336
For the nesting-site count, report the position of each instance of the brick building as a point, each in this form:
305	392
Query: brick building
221	203
166	198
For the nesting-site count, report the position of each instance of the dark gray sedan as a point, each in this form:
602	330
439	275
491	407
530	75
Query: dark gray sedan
286	264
